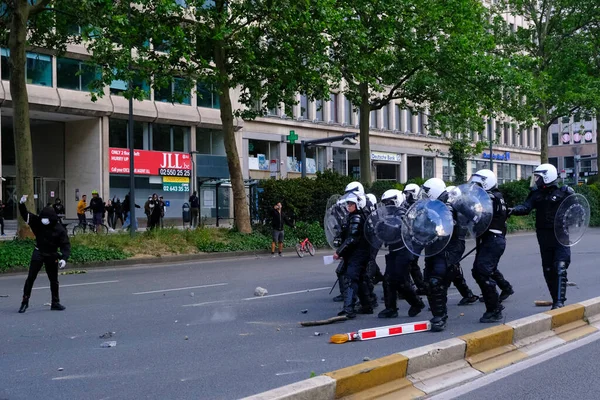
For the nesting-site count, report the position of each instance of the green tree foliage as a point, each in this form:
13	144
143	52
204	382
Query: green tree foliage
550	52
418	53
264	51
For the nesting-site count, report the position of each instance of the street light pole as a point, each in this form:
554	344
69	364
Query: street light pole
304	144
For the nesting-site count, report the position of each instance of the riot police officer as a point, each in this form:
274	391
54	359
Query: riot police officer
396	279
49	237
355	252
411	194
545	197
373	269
490	247
456	273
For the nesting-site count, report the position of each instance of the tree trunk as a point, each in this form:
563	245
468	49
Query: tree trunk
240	203
598	143
364	126
544	144
20	105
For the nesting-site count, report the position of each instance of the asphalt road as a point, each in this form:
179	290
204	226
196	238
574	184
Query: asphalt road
566	373
195	330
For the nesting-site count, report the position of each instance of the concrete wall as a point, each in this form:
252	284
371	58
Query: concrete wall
84	161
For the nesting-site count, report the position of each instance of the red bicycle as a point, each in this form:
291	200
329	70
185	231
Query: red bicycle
304	247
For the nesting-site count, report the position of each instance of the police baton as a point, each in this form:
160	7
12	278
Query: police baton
334	283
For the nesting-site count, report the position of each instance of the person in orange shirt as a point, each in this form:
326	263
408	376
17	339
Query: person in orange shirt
81	206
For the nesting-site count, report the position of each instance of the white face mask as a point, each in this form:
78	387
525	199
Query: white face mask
45	221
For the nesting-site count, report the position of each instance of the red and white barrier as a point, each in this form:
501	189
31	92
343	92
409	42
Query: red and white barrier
387	331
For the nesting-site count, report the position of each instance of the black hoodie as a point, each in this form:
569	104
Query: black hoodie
48	238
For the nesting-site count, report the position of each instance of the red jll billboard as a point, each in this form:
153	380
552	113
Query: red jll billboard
150	162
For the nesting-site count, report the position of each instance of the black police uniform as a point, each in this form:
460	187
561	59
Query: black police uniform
355	252
555	257
490	247
48	239
415	271
396	280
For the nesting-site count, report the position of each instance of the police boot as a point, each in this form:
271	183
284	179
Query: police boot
504	285
551	281
493	316
437	302
458	279
24	305
341	284
561	269
389	297
416	304
365	295
350	289
417	277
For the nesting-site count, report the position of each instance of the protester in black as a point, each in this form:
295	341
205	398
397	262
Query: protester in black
50	236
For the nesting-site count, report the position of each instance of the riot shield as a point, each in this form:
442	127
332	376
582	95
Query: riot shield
383	226
427	228
572	219
474	209
335	218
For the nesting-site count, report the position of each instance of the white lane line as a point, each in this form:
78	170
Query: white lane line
467	387
286	294
183	288
256	298
77	284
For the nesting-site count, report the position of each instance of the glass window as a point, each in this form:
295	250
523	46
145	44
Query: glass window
428	167
339	161
385	117
515	135
354	164
409	125
218	143
535	138
67	74
118	134
373	119
178	138
585	165
5	71
303	106
161	137
448	170
174	93
398	112
347	111
39	69
506	132
569	162
479	165
117	87
553	161
319	110
333	110
420	123
260	153
526	171
554	138
207	96
566	120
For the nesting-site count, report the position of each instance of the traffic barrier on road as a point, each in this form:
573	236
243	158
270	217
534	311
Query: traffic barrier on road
422	371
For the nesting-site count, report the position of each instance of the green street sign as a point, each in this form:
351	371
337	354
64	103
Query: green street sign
292	137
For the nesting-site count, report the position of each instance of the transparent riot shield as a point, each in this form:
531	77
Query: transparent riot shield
474	209
383	226
427	228
335	219
572	219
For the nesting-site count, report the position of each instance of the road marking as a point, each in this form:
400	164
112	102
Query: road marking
257	297
183	288
77	284
286	294
468	387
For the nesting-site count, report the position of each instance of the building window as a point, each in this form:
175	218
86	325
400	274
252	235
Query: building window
333	108
385	117
553	161
118	134
515	135
535	138
506	173
210	142
207	96
420	123
506	127
170	138
74	74
526	171
478	165
117	87
174	93
409	124
398	112
569	162
38	69
373	119
428	171
566	120
315	159
260	152
554	138
319	110
448	170
347	111
303	107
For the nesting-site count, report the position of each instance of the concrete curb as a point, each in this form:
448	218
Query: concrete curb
425	370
